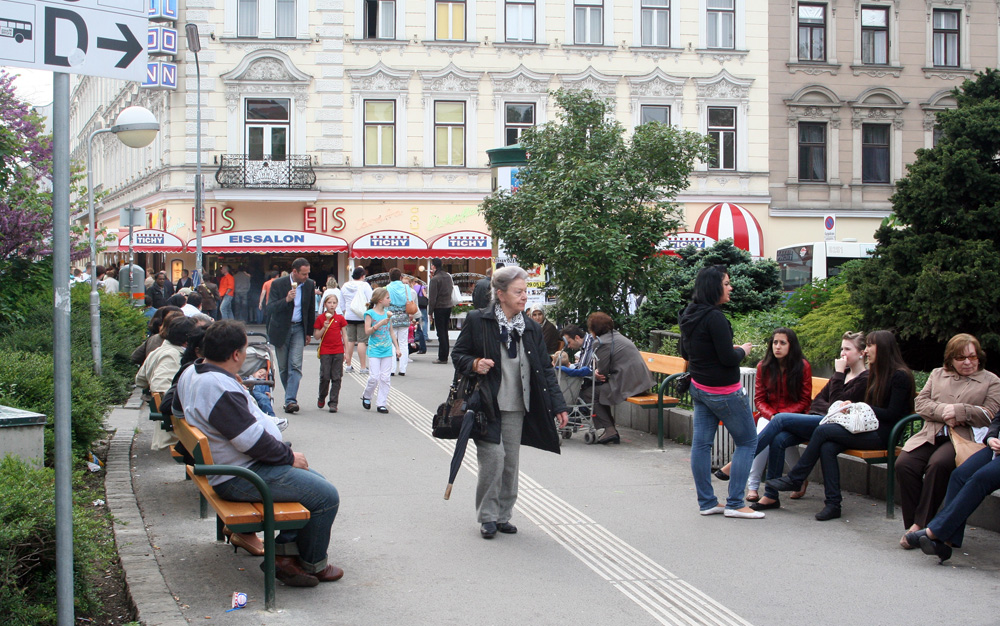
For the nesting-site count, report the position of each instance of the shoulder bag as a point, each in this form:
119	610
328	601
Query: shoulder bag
858	418
411	305
456	296
323	336
462	397
965	448
358	303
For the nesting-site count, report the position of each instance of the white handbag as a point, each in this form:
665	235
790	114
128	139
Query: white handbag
359	304
858	418
456	296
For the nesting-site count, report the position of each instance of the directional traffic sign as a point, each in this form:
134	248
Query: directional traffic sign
95	37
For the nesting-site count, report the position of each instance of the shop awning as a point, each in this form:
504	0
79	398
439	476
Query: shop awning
463	244
390	244
151	240
271	240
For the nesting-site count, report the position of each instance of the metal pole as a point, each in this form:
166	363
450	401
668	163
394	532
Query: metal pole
95	298
198	183
61	346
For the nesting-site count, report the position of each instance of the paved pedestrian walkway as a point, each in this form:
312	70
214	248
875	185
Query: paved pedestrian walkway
607	535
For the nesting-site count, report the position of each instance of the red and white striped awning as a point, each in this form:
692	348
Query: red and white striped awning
152	240
463	244
390	244
270	240
731	221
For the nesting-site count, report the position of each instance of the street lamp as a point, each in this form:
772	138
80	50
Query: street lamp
194	45
136	127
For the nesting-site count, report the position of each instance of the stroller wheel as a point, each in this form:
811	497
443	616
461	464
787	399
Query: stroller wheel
567	433
589	437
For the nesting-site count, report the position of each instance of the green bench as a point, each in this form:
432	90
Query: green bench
668	368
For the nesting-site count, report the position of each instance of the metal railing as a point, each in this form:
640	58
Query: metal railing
722	451
239	171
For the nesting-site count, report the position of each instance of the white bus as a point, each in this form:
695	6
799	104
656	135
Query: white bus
19	31
802	263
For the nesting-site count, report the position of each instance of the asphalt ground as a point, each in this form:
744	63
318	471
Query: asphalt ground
607	535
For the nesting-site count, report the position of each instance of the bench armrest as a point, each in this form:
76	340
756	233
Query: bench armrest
246	474
669	380
897	432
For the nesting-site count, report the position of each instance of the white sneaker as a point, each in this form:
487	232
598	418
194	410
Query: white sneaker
715	510
363	370
744	514
348	369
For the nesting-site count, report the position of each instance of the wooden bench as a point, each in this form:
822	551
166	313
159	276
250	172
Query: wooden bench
668	368
157	416
239	517
902	431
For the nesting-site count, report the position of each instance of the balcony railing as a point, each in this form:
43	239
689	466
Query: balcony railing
241	172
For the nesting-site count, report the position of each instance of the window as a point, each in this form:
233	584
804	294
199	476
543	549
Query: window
449	133
945	38
518	116
655	22
874	153
450	24
812	152
380	132
654	113
874	36
520	21
246	18
722	132
812	32
588	21
380	19
284	19
267	125
720	23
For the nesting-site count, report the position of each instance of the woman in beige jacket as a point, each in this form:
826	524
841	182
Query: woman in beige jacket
957	397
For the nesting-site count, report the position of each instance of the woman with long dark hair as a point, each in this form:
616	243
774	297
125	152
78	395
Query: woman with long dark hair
890	395
714	363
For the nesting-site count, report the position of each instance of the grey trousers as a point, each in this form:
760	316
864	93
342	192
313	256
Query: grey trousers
497	488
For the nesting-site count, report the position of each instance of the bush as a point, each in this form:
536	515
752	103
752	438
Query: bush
756	327
26	382
28	545
820	330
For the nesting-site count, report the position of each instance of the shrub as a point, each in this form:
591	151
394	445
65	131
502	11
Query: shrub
756	327
28	545
820	330
26	382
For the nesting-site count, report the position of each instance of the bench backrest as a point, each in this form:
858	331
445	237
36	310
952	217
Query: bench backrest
663	363
193	440
157	399
818	384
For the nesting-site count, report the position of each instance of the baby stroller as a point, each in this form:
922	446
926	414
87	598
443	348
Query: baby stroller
581	411
261	356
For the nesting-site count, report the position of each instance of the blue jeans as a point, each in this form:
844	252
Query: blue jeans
226	308
240	306
291	484
969	485
826	443
259	393
783	431
290	361
425	324
733	410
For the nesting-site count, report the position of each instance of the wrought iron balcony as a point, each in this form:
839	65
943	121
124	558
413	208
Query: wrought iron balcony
241	172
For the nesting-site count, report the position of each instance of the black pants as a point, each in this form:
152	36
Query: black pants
331	371
923	475
827	442
441	319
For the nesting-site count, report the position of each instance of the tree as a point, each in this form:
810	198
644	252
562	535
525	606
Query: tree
937	263
592	205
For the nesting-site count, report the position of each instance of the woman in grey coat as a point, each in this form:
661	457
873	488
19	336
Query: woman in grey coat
506	348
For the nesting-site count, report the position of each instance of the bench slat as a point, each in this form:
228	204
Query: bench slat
231	513
663	363
285	511
651	399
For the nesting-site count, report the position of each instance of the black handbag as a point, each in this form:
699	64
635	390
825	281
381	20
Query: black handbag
448	418
682	384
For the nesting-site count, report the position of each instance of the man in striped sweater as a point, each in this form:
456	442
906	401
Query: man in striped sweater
241	434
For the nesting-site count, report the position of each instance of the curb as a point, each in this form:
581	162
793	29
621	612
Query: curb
155	605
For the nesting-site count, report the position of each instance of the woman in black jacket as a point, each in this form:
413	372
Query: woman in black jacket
506	347
890	395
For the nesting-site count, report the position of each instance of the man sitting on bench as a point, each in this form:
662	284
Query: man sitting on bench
240	434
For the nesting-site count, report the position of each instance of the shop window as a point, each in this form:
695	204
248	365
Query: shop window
946	38
812	152
267	128
722	133
449	134
654	113
450	20
875	153
588	19
520	21
655	18
380	135
380	19
720	24
874	35
812	32
518	116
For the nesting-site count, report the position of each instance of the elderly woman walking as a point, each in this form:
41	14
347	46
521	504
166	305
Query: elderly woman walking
505	347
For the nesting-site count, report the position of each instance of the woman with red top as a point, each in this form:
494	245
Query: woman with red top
329	331
783	385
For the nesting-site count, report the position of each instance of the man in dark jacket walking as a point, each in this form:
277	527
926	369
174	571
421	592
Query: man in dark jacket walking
481	295
291	311
439	297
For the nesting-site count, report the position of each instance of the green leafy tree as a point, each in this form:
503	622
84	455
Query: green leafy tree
593	203
937	264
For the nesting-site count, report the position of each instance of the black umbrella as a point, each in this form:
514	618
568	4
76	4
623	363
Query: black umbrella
468	420
479	408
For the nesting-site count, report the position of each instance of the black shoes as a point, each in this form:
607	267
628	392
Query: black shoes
507	528
615	438
912	540
721	475
829	511
365	402
488	530
292	407
935	547
382	409
784	483
759	506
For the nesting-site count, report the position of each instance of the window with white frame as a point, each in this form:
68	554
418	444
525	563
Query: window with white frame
722	133
946	37
380	19
267	125
380	132
875	35
655	17
246	18
588	21
720	24
449	133
812	32
518	116
875	153
812	152
519	21
449	20
284	19
654	113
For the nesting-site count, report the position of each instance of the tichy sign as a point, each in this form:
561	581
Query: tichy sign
463	244
679	241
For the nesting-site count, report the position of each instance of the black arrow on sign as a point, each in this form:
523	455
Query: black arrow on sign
131	46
